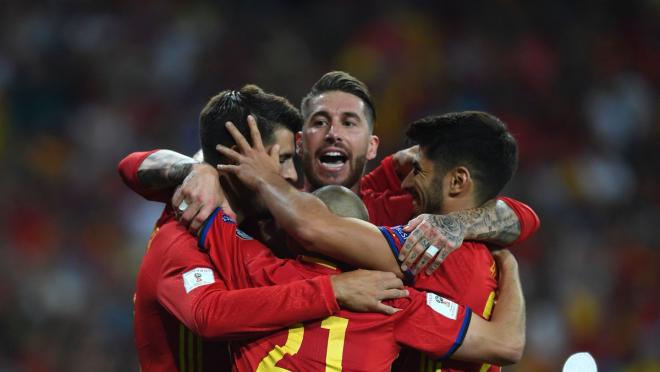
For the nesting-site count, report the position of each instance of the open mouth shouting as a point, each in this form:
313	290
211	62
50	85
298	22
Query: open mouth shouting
332	159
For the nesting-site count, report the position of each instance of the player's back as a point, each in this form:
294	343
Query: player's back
349	341
163	343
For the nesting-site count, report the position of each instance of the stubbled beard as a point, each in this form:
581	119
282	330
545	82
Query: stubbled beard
434	198
356	171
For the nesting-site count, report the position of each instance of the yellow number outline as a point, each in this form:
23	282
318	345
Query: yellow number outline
336	327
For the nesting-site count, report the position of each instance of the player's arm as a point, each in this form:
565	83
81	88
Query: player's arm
164	169
316	228
501	340
189	287
155	174
499	222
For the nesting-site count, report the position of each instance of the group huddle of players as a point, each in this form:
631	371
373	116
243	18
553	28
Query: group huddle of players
399	269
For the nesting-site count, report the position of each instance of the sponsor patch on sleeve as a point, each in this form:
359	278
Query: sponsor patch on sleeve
197	277
442	305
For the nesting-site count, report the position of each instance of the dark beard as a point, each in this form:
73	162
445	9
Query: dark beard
356	172
434	197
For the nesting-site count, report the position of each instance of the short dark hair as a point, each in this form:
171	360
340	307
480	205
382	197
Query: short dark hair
270	111
474	139
343	82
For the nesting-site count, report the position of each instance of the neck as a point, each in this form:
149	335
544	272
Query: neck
457	204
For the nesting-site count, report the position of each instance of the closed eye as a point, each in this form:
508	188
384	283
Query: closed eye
285	157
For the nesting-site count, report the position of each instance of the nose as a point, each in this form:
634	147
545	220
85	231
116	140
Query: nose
288	171
334	133
407	182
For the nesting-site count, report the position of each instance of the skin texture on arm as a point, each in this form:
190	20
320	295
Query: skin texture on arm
495	222
311	223
164	169
501	340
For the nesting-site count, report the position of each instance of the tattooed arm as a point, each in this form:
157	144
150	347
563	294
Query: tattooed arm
164	169
200	187
494	222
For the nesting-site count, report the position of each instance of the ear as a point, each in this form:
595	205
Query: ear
460	181
298	141
372	149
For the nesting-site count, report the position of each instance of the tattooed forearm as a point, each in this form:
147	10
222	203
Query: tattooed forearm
494	222
452	228
164	169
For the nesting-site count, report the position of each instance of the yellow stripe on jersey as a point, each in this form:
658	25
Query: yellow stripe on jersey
190	350
182	354
488	309
318	261
191	358
200	368
428	364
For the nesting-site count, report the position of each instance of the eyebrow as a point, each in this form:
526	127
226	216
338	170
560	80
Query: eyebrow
286	155
326	114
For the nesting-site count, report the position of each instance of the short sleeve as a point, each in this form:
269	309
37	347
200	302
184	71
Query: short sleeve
432	324
396	238
382	178
529	220
128	169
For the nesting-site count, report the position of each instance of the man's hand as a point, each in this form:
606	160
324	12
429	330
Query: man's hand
403	161
202	194
253	164
432	239
363	290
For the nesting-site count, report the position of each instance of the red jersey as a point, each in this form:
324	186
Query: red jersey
468	276
180	297
345	341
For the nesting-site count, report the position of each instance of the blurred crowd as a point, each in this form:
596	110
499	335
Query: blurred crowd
82	84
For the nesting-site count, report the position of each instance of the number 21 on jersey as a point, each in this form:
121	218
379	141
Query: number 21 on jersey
336	327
